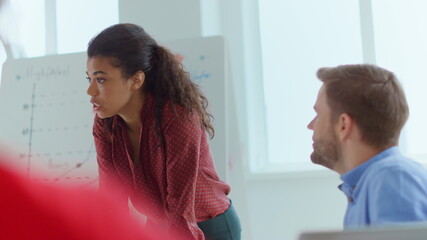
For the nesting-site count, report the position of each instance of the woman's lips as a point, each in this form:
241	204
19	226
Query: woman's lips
95	106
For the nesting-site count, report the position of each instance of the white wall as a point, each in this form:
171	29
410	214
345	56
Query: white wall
270	207
283	206
163	19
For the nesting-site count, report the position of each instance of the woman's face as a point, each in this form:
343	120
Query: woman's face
110	92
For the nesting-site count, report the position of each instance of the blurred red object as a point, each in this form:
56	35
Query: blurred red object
31	210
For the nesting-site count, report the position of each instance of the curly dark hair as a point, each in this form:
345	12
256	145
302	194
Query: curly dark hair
133	50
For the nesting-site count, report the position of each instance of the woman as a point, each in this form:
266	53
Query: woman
150	134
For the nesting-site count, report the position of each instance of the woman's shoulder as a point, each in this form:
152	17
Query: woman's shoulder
173	111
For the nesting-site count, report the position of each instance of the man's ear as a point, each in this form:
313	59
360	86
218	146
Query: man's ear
138	80
345	126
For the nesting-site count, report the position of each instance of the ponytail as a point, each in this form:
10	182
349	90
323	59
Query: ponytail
168	80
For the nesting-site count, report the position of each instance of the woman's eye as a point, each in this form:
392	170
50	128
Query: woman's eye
100	80
88	79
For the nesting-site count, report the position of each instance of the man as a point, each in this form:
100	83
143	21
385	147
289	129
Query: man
361	110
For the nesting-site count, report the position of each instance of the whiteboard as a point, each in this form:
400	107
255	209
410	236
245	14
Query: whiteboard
47	117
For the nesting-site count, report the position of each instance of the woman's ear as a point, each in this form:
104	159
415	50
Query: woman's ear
138	80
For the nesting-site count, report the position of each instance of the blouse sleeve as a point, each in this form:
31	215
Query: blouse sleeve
182	144
109	182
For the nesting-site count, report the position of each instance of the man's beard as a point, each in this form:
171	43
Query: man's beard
326	152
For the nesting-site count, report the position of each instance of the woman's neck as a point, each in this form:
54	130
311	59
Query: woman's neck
132	115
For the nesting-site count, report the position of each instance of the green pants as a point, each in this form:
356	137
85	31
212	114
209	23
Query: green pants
222	227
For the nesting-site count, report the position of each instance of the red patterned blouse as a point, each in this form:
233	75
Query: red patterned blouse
173	183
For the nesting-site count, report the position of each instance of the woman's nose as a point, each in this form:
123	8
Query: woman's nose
92	90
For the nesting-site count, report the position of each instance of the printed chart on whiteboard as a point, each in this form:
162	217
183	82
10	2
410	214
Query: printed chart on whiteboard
47	118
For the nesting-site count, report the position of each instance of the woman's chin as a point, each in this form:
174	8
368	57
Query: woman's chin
103	115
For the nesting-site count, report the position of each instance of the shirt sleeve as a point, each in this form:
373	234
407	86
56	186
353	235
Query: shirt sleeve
182	144
109	181
397	195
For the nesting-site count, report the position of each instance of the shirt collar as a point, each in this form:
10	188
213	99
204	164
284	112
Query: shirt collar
351	177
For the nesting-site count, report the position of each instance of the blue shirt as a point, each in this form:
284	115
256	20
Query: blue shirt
389	188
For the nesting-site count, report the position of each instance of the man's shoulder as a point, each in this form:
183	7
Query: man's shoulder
396	171
397	163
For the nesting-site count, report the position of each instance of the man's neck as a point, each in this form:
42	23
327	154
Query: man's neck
355	156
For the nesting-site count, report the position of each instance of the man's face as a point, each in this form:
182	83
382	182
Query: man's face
325	144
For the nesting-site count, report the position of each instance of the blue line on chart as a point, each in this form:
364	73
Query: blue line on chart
31	130
199	77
